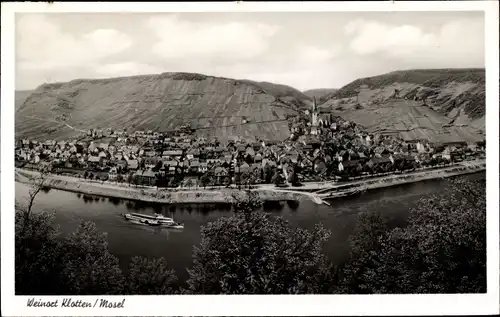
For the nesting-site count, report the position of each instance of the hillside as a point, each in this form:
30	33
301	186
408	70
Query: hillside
319	93
454	103
226	108
20	97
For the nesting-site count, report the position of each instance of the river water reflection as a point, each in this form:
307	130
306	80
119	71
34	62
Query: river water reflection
127	240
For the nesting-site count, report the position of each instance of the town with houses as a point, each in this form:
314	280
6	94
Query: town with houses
321	147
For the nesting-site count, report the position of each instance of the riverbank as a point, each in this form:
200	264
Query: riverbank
148	194
267	192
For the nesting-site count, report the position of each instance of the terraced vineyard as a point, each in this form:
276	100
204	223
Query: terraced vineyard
437	105
411	121
223	107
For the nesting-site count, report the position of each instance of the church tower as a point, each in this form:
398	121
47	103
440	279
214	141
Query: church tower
314	118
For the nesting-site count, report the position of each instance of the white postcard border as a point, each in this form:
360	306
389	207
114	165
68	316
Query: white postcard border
256	305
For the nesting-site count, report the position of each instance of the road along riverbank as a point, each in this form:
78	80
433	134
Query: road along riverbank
266	192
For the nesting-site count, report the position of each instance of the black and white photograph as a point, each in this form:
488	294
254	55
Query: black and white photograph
248	152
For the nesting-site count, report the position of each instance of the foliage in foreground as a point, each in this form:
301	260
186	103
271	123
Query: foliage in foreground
79	264
254	253
442	249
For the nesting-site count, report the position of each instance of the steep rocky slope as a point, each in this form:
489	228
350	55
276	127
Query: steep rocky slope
223	107
454	101
320	92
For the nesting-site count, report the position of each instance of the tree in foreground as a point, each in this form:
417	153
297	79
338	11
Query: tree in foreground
37	251
149	277
442	250
255	253
89	268
78	264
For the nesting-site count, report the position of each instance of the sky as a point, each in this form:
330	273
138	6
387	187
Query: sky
303	50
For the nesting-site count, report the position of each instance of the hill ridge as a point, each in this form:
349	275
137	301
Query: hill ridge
162	101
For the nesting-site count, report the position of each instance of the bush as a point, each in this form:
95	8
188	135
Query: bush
442	250
79	264
254	253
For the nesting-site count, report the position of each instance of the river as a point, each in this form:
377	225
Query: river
127	240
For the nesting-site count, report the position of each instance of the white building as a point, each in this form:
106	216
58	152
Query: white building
314	118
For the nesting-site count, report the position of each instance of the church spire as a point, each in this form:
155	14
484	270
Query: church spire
314	104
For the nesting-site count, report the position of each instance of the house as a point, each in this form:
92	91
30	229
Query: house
320	167
167	162
214	161
121	164
147	177
104	146
150	153
93	161
228	158
92	147
362	157
344	155
203	168
381	163
112	174
411	158
241	148
170	166
472	146
256	146
267	162
150	162
256	169
243	168
221	174
397	158
420	148
102	154
194	166
132	164
250	152
192	153
305	148
350	166
172	154
379	150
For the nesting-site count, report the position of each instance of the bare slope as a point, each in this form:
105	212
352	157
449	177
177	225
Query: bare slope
320	92
211	105
20	97
454	109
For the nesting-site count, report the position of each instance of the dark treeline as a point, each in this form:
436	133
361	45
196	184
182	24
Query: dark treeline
441	249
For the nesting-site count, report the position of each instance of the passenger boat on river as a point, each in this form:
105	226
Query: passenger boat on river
155	220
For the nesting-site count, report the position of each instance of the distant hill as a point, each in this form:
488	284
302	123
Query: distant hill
453	98
20	97
226	108
319	93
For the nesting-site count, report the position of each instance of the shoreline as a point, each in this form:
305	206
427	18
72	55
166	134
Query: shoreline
267	192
